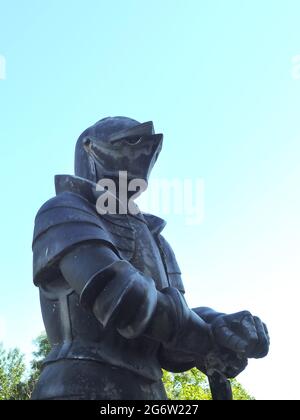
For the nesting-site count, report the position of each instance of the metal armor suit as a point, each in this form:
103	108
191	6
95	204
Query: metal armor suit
111	292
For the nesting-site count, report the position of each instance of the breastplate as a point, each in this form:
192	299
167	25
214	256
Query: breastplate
147	257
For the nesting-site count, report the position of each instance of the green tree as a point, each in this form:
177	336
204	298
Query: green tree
42	349
13	385
239	393
193	385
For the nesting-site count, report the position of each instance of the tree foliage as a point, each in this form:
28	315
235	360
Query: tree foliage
42	349
193	385
17	384
12	372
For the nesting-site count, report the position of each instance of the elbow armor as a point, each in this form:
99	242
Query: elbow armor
123	296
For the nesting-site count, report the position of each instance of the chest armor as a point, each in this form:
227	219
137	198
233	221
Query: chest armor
75	333
137	245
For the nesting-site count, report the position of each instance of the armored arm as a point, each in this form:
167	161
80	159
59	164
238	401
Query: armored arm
207	314
125	299
70	240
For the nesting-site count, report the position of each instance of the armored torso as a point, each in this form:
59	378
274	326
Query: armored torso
68	220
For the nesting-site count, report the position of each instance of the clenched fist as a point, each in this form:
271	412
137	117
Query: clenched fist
242	333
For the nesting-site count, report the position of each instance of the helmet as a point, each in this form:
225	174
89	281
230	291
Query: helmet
116	144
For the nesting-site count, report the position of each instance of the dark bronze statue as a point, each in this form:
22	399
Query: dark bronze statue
111	292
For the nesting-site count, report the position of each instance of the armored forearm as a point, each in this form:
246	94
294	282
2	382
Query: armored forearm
207	314
111	288
120	295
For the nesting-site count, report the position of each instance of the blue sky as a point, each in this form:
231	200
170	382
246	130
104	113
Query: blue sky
216	78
